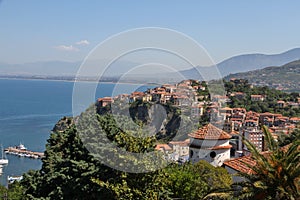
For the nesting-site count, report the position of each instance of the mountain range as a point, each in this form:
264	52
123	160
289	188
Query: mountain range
249	62
236	64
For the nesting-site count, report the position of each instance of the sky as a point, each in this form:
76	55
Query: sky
65	30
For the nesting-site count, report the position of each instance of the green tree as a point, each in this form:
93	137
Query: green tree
276	174
190	181
286	139
14	191
67	169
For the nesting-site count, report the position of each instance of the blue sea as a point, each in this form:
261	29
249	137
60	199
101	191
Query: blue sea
30	108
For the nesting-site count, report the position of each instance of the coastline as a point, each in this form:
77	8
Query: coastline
74	81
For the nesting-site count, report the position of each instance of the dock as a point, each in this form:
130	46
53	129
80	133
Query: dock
24	153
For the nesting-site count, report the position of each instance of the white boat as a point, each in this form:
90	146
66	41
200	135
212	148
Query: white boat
12	179
3	161
21	147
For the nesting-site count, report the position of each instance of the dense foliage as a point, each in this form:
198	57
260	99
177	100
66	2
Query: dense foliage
70	171
13	191
286	139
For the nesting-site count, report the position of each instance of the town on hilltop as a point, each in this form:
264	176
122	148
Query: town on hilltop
224	120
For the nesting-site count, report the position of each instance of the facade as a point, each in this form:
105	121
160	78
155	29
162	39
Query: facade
211	144
105	101
255	136
180	147
257	97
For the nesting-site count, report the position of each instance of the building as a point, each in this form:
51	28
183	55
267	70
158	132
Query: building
180	150
238	95
211	144
281	104
166	150
257	97
254	135
102	102
197	110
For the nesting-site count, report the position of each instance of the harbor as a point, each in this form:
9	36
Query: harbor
16	151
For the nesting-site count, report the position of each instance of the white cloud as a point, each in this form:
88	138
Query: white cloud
66	48
83	42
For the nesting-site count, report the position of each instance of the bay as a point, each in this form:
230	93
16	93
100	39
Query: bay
30	108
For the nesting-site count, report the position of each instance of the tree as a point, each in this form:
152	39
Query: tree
286	139
67	169
14	191
276	174
190	181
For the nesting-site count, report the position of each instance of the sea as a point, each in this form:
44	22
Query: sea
29	110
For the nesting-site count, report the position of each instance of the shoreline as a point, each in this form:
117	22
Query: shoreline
74	81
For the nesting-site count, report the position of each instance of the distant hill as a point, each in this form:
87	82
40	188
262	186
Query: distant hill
249	62
285	77
241	63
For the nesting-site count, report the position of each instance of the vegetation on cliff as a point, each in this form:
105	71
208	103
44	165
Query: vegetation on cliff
70	171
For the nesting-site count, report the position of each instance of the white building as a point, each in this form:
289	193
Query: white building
254	135
211	144
180	147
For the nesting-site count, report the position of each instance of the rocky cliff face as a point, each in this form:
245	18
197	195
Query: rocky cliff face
164	120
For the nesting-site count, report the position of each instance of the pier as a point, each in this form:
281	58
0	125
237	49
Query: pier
24	153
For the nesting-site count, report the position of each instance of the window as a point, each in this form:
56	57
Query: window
212	154
191	153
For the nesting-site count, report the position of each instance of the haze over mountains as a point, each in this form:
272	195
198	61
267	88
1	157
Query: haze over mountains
241	63
249	62
285	77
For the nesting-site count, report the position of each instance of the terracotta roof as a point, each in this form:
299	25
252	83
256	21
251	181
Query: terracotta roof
256	95
180	143
250	120
210	132
105	99
239	165
226	108
221	147
236	119
164	147
137	93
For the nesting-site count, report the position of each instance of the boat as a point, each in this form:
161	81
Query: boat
21	147
12	179
3	161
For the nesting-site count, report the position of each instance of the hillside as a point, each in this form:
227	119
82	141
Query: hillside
285	77
248	62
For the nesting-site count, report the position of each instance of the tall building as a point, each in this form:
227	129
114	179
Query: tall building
254	134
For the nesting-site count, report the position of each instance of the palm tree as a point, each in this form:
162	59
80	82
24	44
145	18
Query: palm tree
276	174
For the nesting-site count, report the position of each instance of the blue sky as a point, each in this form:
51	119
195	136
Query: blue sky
35	30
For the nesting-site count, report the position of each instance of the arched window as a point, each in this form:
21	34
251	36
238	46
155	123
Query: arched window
191	153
